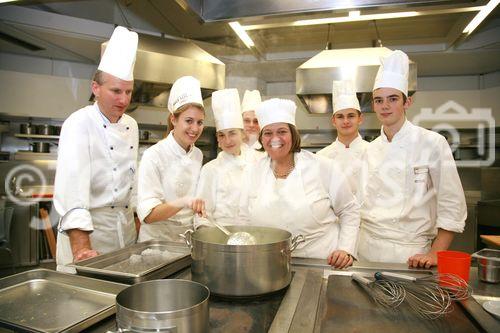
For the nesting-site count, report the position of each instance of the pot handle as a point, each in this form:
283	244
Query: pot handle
296	241
187	237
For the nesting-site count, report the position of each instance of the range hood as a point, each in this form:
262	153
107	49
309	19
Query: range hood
161	61
314	77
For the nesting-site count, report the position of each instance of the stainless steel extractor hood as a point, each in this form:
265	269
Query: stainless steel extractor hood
314	77
161	61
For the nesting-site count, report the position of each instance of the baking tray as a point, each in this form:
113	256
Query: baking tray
42	300
117	265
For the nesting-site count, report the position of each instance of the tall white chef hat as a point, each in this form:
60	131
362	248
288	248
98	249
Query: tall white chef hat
344	96
276	110
251	99
393	72
185	90
118	58
226	108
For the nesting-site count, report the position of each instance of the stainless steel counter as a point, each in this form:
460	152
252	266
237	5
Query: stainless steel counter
306	305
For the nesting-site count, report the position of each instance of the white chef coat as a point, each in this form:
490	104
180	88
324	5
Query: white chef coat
220	186
410	188
94	183
307	202
256	145
167	172
349	160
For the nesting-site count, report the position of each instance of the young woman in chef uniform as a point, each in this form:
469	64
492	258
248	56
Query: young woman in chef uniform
298	191
220	179
169	170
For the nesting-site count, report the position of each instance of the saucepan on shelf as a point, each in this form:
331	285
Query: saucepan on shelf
40	147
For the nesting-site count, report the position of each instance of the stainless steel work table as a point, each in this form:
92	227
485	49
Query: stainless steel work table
305	306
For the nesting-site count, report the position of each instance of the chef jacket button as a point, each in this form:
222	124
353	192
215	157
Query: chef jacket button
111	147
112	207
104	125
131	147
116	190
114	169
128	128
126	206
130	188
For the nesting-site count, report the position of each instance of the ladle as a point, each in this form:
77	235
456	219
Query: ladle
235	238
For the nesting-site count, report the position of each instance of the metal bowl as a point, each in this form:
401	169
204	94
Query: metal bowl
488	262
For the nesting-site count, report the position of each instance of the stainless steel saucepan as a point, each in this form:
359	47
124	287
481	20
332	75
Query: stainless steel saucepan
242	270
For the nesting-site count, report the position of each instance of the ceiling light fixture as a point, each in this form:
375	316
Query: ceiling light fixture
354	18
354	13
242	34
485	11
3	1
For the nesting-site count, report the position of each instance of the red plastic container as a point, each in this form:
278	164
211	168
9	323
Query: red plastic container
454	262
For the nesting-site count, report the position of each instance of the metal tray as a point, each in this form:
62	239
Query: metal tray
42	300
117	265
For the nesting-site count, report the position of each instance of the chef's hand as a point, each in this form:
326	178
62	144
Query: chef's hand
196	204
420	260
340	259
84	253
198	207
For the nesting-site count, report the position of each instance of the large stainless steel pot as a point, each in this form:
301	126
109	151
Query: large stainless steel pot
173	306
242	270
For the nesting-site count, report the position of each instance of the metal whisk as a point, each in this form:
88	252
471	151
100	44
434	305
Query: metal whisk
457	288
384	292
427	299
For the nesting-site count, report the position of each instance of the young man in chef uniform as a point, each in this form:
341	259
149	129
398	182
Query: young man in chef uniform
413	199
97	159
348	149
220	181
251	100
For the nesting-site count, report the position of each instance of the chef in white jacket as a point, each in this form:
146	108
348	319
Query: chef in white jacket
413	199
169	170
220	179
299	191
348	149
97	159
251	100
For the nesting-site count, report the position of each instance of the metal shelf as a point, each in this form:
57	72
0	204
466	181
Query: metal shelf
36	136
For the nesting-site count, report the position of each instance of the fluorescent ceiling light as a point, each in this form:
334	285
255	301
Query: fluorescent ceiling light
3	1
480	16
242	34
354	13
350	18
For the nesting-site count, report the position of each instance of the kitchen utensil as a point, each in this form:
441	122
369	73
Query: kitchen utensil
43	300
384	292
242	270
237	238
454	285
45	129
492	307
167	258
143	135
488	262
454	262
428	300
27	128
40	147
173	306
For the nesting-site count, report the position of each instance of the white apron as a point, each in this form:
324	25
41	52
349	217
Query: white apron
283	204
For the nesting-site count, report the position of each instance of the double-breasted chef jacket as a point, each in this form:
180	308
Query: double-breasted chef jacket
314	201
167	172
411	187
220	186
95	181
349	160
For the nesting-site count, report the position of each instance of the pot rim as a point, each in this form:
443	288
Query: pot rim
189	310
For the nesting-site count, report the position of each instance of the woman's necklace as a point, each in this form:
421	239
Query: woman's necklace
285	173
